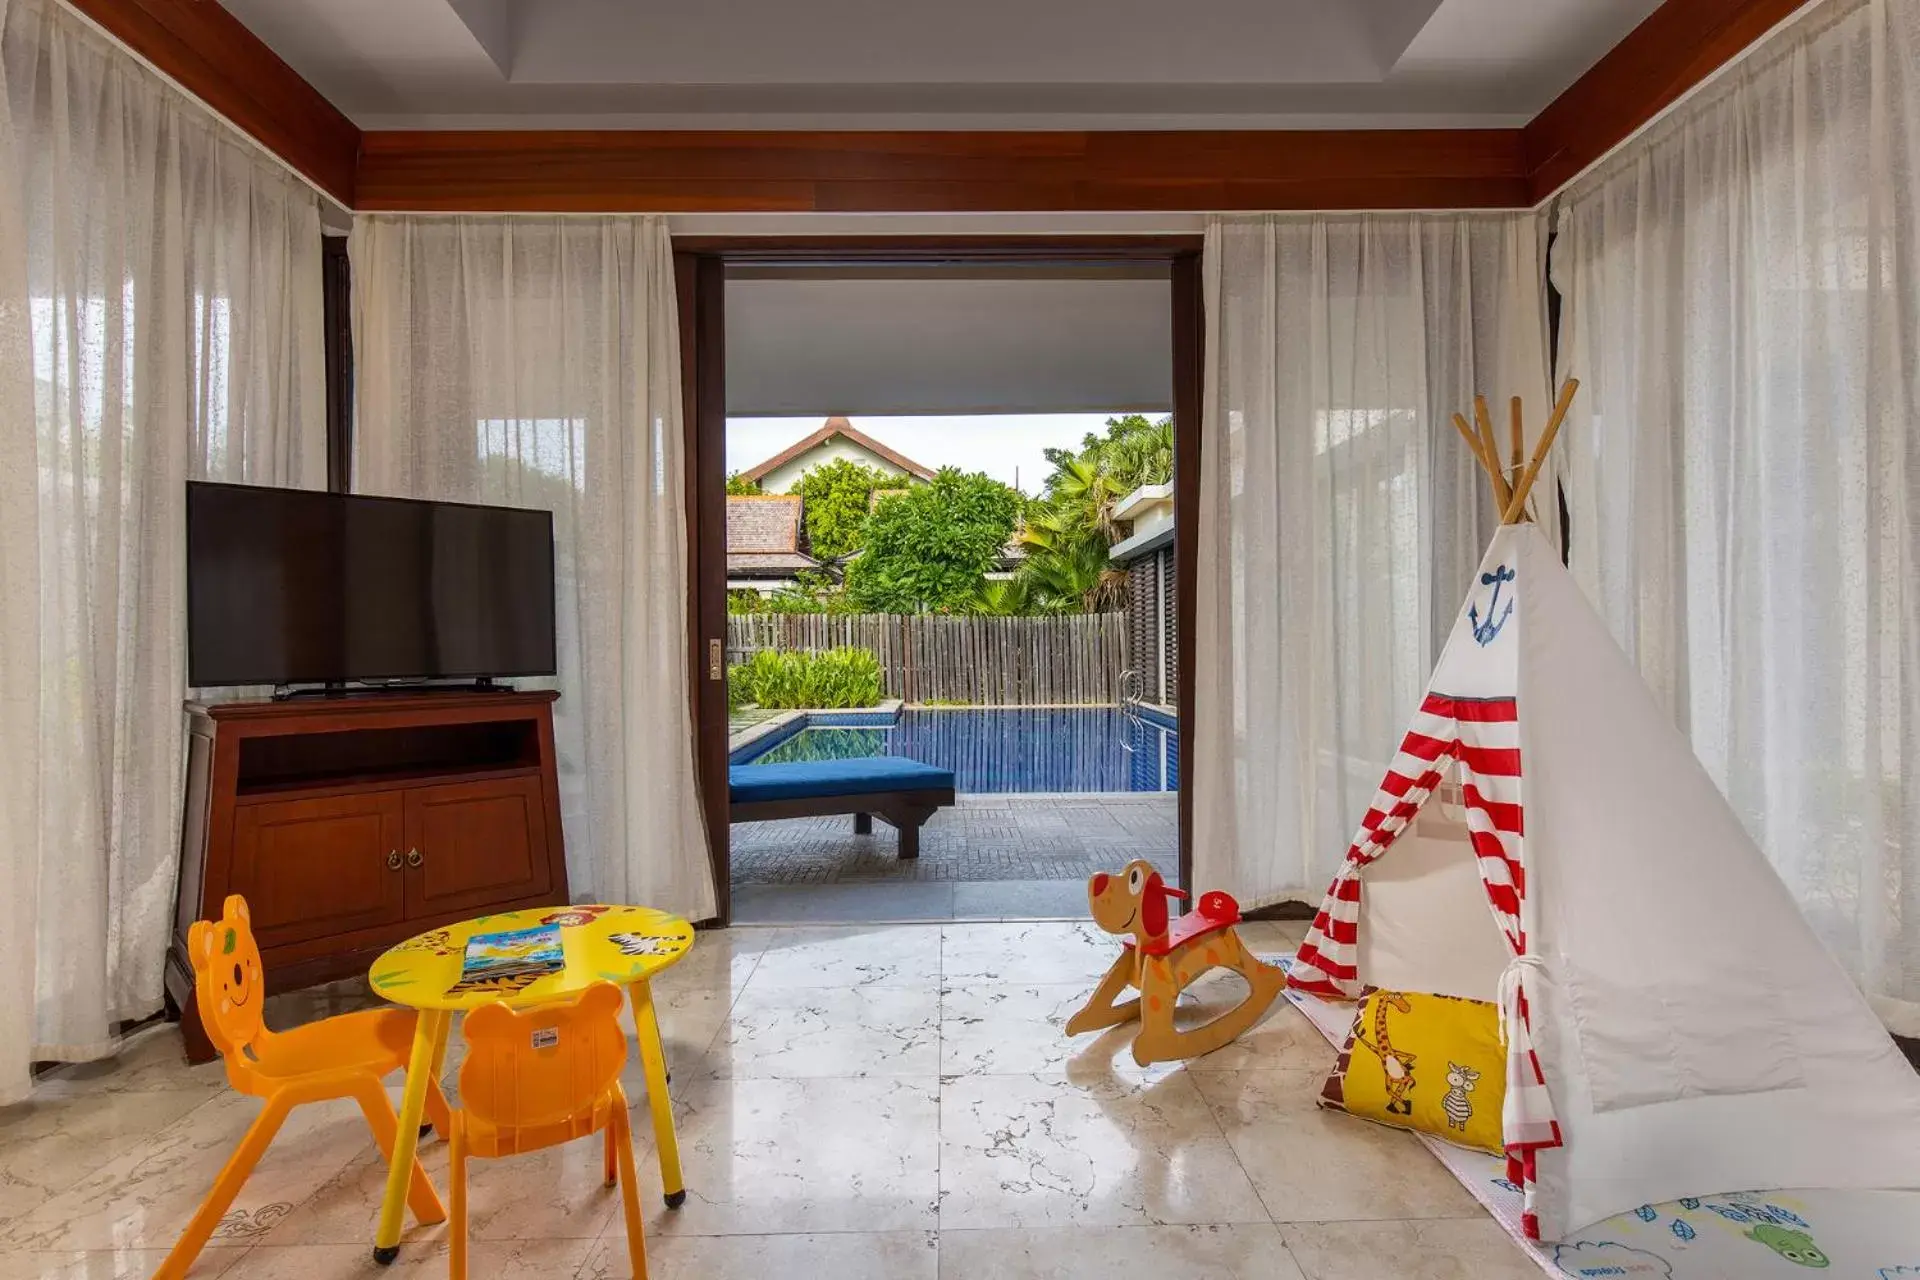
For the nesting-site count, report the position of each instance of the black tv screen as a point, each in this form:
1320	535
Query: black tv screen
290	586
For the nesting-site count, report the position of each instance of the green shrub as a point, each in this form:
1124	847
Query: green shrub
784	679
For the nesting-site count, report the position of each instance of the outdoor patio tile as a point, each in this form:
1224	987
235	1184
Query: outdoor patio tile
777	1156
879	1255
843	902
1312	1165
1245	1251
800	1032
1019	899
1046	1151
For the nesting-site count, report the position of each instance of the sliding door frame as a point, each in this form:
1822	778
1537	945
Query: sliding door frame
700	272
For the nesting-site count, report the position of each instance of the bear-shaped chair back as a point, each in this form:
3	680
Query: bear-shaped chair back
545	1067
229	985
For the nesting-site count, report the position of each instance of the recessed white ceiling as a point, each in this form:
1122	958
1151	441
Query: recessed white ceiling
1150	64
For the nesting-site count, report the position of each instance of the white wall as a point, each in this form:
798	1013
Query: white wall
783	477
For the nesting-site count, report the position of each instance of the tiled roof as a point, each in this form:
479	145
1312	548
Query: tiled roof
778	564
763	523
846	430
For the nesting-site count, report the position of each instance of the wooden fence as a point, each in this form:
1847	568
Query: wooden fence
1017	662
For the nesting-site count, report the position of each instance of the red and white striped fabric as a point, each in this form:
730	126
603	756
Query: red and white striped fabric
1482	737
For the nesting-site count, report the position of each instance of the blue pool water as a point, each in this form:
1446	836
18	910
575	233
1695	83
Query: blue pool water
995	749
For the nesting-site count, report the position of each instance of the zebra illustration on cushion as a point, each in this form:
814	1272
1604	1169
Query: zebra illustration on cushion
1457	1105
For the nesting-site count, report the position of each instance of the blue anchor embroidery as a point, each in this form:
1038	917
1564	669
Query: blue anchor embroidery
1484	632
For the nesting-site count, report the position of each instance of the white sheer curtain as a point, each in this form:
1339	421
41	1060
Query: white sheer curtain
536	362
1340	515
159	321
1742	305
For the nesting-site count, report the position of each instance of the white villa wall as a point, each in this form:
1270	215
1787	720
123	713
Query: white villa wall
783	477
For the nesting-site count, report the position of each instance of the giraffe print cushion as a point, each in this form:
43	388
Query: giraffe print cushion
1419	1061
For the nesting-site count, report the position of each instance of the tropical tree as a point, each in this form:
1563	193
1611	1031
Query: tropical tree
928	547
838	496
1075	579
1068	532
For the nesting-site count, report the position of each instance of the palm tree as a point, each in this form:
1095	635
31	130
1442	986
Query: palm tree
1074	578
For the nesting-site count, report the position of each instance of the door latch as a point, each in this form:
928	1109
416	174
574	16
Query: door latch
716	660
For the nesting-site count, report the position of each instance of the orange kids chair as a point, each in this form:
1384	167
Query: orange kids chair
341	1057
538	1077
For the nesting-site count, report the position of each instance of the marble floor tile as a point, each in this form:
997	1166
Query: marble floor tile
55	1139
1247	1251
547	1259
113	1264
873	1029
1312	1165
144	1196
1443	1249
1267	938
1042	1151
1013	1029
891	1255
785	1156
558	1192
1283	1039
150	1060
849	956
1041	951
718	958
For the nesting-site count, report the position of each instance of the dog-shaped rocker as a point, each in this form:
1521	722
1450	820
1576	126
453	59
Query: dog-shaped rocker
1162	957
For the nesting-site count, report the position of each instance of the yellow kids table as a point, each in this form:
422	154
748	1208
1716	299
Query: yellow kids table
627	945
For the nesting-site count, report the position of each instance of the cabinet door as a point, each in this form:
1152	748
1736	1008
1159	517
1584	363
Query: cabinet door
311	868
471	845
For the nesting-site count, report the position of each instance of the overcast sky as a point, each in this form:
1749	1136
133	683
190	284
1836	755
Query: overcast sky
1005	446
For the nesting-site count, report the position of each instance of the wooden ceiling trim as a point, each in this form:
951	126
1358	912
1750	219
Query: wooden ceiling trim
1679	45
1007	172
215	58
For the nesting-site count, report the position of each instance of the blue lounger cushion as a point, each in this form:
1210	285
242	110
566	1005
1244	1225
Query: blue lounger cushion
805	780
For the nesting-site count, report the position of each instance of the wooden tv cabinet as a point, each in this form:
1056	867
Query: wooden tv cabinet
351	823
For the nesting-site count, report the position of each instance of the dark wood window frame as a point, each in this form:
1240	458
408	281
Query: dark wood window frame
700	267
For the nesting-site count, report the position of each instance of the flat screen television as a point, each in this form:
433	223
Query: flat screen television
290	586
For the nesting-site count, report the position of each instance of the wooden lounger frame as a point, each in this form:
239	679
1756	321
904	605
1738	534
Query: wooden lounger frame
903	810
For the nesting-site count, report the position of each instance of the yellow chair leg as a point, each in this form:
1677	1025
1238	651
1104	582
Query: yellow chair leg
225	1187
611	1168
620	1140
429	1035
653	1061
421	1197
457	1228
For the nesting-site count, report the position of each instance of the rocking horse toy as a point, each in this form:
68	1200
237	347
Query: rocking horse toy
1162	957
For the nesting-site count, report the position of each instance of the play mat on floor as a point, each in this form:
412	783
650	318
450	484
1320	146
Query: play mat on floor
1749	1235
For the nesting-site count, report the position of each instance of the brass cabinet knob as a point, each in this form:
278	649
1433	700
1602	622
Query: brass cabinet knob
393	859
413	858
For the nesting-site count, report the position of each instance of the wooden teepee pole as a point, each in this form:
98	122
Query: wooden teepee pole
1518	503
1488	465
1501	494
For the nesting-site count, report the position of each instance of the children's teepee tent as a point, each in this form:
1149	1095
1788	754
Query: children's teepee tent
1673	1027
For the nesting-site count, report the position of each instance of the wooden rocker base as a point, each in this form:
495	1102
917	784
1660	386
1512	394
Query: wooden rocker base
1161	961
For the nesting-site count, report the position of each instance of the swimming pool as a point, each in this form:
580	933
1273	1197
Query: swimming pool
994	749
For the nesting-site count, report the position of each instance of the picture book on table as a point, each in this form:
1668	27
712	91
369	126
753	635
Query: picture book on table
510	960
